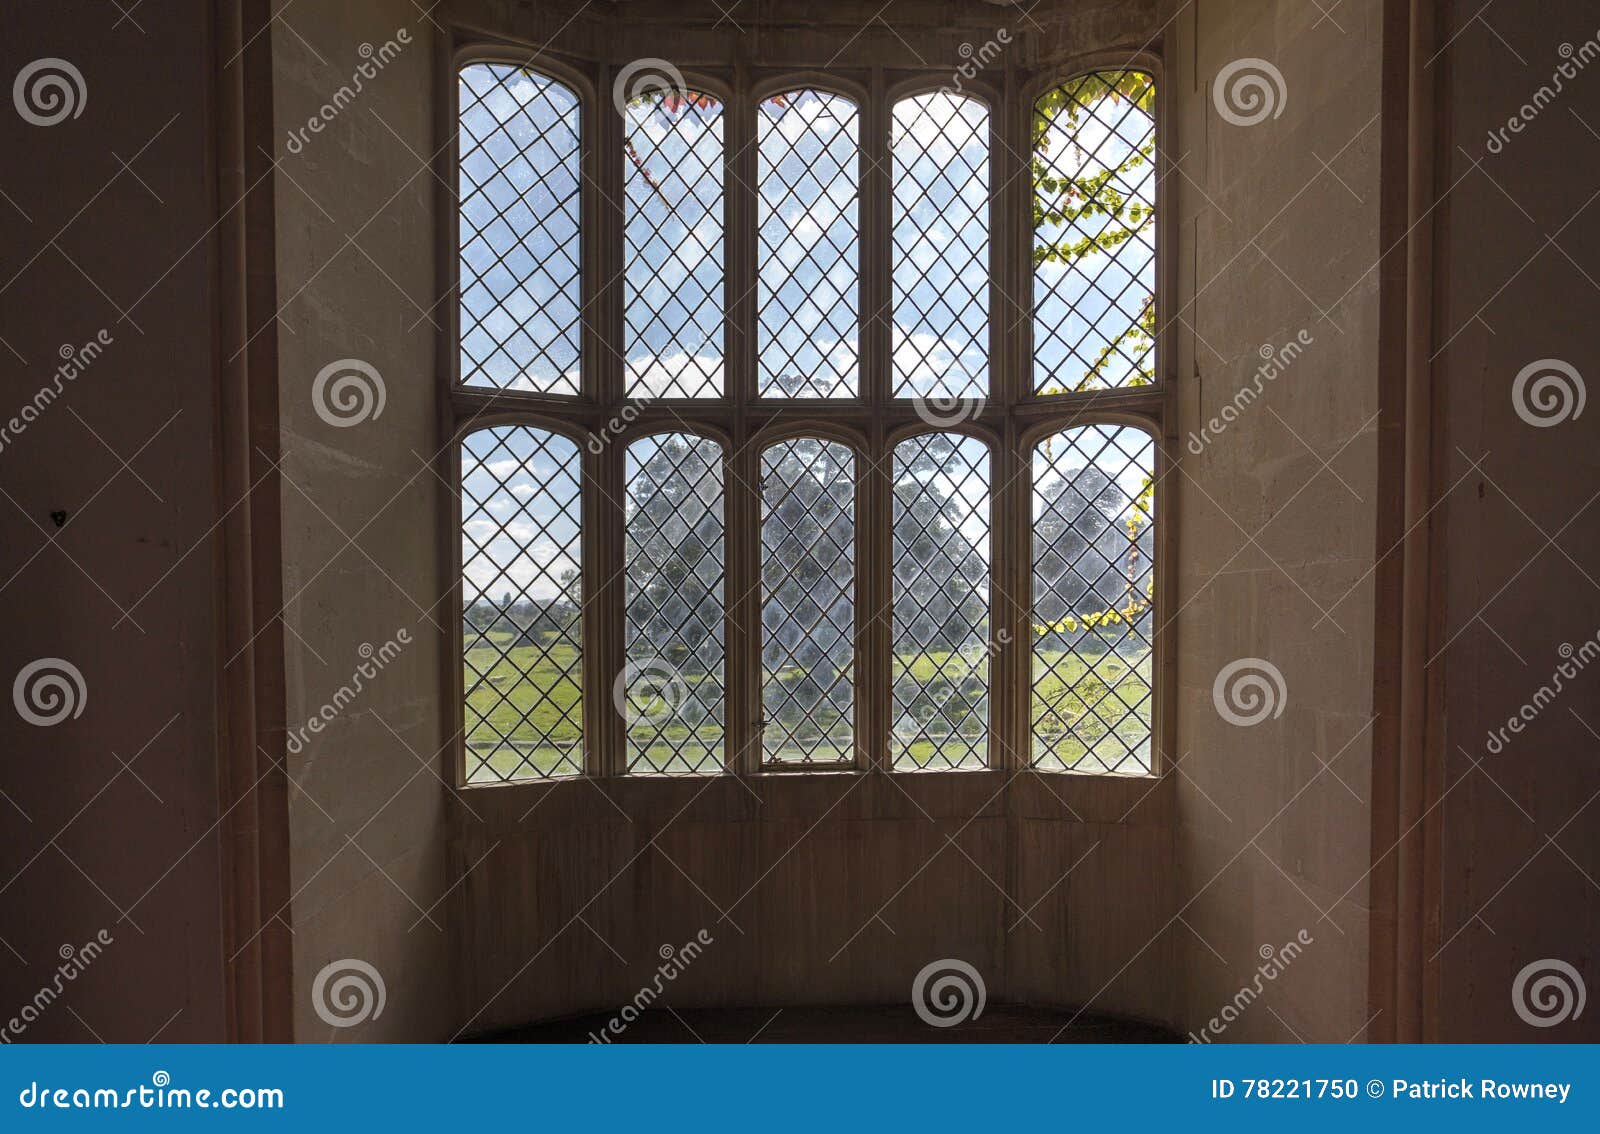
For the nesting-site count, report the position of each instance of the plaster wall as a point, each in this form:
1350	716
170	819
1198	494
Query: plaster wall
1519	232
108	818
1277	512
361	512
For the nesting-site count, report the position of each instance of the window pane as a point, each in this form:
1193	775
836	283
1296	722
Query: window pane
520	584
1094	237
519	190
808	529
1093	586
940	143
672	689
673	254
807	272
941	602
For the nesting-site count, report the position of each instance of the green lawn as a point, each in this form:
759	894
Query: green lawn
524	713
1078	712
921	739
532	696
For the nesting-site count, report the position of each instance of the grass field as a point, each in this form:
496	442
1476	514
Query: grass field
524	718
523	706
1088	720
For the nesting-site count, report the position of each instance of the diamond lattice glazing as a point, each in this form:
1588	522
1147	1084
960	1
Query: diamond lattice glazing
807	336
519	189
673	246
521	547
673	591
1094	247
940	147
1093	579
808	602
941	643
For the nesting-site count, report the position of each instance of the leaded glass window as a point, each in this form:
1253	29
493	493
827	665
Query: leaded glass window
671	689
1094	226
522	593
1093	599
519	184
673	252
942	644
940	261
808	564
808	255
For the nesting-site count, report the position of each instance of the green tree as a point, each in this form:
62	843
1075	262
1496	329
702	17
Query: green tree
674	571
1067	204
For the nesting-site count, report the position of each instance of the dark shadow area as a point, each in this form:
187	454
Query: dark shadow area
899	1023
